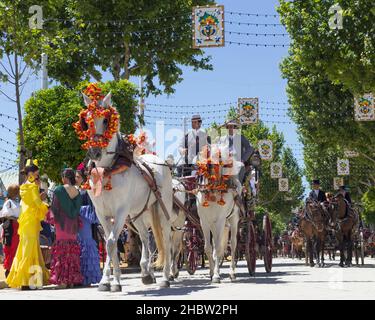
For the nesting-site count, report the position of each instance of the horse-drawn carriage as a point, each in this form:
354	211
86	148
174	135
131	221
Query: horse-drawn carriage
251	239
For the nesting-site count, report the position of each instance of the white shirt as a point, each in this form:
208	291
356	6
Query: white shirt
191	144
11	208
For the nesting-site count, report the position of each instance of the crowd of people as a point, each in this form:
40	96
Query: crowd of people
28	213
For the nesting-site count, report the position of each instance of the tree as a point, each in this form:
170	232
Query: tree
368	200
270	198
347	55
16	46
125	38
50	113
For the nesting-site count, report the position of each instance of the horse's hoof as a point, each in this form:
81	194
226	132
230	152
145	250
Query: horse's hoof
232	277
153	280
312	265
164	284
147	279
341	265
176	274
104	287
215	280
116	288
171	278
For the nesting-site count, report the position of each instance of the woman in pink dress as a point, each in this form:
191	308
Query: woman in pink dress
65	208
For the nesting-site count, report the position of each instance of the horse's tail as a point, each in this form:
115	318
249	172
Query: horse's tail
158	236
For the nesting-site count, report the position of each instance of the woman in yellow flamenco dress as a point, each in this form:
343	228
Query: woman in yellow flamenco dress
28	269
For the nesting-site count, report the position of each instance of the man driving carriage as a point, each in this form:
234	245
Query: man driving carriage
317	194
190	146
239	147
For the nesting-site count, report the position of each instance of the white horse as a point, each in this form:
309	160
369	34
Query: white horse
178	230
130	195
215	218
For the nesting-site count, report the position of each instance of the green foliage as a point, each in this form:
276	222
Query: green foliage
270	198
324	70
345	56
368	200
48	123
278	222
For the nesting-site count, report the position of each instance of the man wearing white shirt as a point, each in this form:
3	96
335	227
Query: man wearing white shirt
191	144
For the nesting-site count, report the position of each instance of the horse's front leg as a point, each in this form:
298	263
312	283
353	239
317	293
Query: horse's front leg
208	247
104	284
218	251
146	262
112	250
233	245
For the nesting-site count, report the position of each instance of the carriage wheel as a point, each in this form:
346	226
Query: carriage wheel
250	251
191	263
267	231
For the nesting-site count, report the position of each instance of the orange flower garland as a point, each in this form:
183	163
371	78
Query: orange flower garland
88	116
212	172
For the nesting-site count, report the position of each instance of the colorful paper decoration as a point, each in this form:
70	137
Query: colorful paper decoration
208	26
364	108
248	110
265	149
337	182
283	184
343	167
276	170
351	154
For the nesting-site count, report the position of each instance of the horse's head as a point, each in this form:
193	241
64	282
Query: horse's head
316	214
98	125
339	205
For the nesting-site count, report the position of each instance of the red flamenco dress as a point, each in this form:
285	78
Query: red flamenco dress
11	238
65	265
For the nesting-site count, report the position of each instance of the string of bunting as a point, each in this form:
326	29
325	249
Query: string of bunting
4	158
10	152
6	116
7	169
7	142
6	128
161	18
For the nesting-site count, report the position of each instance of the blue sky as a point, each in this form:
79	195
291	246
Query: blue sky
239	71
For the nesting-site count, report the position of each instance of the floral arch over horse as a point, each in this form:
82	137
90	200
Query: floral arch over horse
125	184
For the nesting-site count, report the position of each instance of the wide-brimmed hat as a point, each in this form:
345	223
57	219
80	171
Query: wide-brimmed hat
232	123
196	117
316	181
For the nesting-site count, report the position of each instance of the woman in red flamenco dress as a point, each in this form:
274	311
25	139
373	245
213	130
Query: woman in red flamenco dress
65	209
10	214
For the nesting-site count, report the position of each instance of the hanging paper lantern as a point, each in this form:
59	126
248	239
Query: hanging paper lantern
364	108
208	26
265	149
283	184
276	170
343	167
248	110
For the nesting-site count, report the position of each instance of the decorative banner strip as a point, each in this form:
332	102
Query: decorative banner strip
208	26
337	182
265	149
343	167
364	109
283	184
276	170
248	109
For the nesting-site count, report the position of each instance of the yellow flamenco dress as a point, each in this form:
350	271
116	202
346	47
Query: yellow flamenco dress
28	268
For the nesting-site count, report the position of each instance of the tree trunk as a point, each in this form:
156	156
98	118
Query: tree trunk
20	126
126	62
